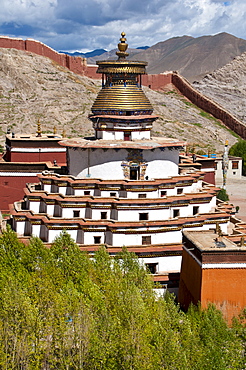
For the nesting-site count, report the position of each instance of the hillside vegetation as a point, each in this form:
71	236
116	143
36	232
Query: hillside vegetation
62	310
33	87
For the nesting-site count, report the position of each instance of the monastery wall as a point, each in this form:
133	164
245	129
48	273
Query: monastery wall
75	64
12	187
208	105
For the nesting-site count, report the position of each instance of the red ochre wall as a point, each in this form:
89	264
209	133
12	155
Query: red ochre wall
75	64
226	288
12	189
208	105
209	177
190	281
157	82
60	157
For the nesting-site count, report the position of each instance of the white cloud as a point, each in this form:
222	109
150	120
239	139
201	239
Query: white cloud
83	24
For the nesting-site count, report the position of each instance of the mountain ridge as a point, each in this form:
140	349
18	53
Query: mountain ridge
192	57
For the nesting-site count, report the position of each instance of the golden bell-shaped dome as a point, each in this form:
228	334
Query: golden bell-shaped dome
121	98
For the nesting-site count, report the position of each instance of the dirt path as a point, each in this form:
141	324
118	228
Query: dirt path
236	190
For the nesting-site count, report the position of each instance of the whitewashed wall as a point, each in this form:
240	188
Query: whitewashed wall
167	263
108	164
156	238
34	206
36	230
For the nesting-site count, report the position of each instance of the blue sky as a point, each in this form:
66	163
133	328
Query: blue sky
86	25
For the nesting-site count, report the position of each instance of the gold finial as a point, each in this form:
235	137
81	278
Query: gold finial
64	133
54	130
39	131
122	46
226	143
218	229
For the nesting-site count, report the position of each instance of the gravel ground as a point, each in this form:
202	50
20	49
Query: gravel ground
236	190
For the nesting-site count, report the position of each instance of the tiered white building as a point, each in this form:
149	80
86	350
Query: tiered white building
123	187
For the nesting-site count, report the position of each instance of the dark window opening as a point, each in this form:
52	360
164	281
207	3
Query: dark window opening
163	193
215	165
76	213
146	239
234	165
195	210
142	196
180	190
97	239
128	113
103	215
127	136
113	194
143	216
87	192
176	213
134	173
152	267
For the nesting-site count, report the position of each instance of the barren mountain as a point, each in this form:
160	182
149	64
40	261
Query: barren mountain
111	55
227	86
192	57
33	87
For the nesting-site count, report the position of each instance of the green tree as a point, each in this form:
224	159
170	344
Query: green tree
61	309
222	195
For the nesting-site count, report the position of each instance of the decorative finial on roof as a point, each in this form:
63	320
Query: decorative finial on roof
241	242
54	130
122	46
39	131
64	133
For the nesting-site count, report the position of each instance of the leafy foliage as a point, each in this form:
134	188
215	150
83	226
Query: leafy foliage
60	309
222	195
239	150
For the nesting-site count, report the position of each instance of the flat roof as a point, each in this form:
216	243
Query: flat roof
153	143
208	240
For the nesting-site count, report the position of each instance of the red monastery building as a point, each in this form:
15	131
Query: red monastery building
123	187
25	157
213	271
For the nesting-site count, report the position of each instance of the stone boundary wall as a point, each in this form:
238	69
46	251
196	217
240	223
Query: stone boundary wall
75	64
208	105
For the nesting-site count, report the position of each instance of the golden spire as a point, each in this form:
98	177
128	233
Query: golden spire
122	46
64	133
39	131
54	130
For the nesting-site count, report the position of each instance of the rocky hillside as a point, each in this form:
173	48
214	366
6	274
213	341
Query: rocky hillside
227	86
33	87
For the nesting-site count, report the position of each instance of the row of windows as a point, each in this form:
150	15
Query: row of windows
142	216
145	239
142	195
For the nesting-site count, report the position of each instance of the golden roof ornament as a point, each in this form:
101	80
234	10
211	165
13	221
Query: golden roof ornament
122	46
54	130
39	131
